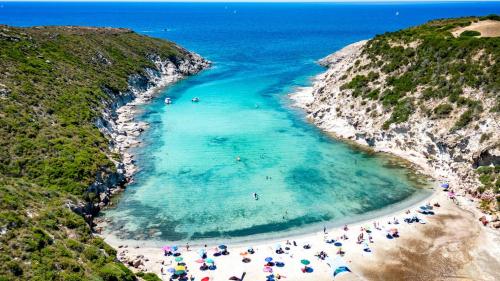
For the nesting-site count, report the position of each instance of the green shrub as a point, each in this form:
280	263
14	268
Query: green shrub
464	120
116	272
443	110
148	276
470	33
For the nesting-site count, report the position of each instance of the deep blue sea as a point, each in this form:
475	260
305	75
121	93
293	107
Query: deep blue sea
190	185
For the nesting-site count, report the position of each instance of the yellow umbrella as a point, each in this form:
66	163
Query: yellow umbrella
180	268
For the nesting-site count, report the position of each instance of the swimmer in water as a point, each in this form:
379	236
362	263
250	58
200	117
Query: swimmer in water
238	158
255	196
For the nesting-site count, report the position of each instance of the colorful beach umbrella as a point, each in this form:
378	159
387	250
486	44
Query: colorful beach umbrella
209	260
445	185
277	246
338	244
341	270
178	259
268	269
171	270
200	260
305	262
180	268
222	247
205	279
166	248
269	259
174	248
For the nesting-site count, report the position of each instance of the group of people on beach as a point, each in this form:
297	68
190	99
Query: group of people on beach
364	238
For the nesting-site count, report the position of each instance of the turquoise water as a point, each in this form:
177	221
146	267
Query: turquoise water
190	185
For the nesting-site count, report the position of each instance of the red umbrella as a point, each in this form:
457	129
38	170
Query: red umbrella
205	279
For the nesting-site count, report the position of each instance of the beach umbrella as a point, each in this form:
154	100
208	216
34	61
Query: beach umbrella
277	246
178	259
180	268
338	244
171	270
205	279
268	269
166	248
340	271
200	261
209	260
179	272
305	262
174	248
269	259
445	185
222	247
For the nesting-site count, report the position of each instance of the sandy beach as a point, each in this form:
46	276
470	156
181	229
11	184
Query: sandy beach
445	247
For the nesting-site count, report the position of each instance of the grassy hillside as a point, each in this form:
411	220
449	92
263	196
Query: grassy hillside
51	83
430	60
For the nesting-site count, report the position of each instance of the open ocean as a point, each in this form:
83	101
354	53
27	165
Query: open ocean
190	186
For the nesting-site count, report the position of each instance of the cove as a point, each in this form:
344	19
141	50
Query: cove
190	186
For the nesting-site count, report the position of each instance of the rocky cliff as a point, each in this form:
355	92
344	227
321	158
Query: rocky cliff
416	105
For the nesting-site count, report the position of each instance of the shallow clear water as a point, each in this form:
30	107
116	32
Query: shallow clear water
190	185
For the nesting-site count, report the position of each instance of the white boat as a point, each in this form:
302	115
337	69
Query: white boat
195	99
168	100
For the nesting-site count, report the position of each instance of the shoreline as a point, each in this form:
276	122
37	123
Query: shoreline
151	259
387	211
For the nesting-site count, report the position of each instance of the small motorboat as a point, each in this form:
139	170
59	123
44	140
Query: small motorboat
168	101
195	99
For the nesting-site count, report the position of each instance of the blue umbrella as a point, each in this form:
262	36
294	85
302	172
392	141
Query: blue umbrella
171	270
338	244
445	185
209	260
202	252
222	247
269	259
278	246
175	248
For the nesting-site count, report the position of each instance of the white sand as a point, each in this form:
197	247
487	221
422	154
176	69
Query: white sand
231	264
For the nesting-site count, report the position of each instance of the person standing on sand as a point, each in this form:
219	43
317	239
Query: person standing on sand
324	229
187	247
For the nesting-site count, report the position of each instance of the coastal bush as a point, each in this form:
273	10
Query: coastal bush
116	272
470	33
443	110
463	120
148	276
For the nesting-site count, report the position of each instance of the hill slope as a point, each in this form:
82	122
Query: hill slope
423	94
55	85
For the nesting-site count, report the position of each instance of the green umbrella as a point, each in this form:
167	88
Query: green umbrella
179	272
305	262
178	259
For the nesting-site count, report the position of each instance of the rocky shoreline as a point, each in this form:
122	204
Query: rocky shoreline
446	156
118	124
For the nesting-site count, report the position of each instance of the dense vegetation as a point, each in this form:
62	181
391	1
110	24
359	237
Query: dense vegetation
411	66
51	90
